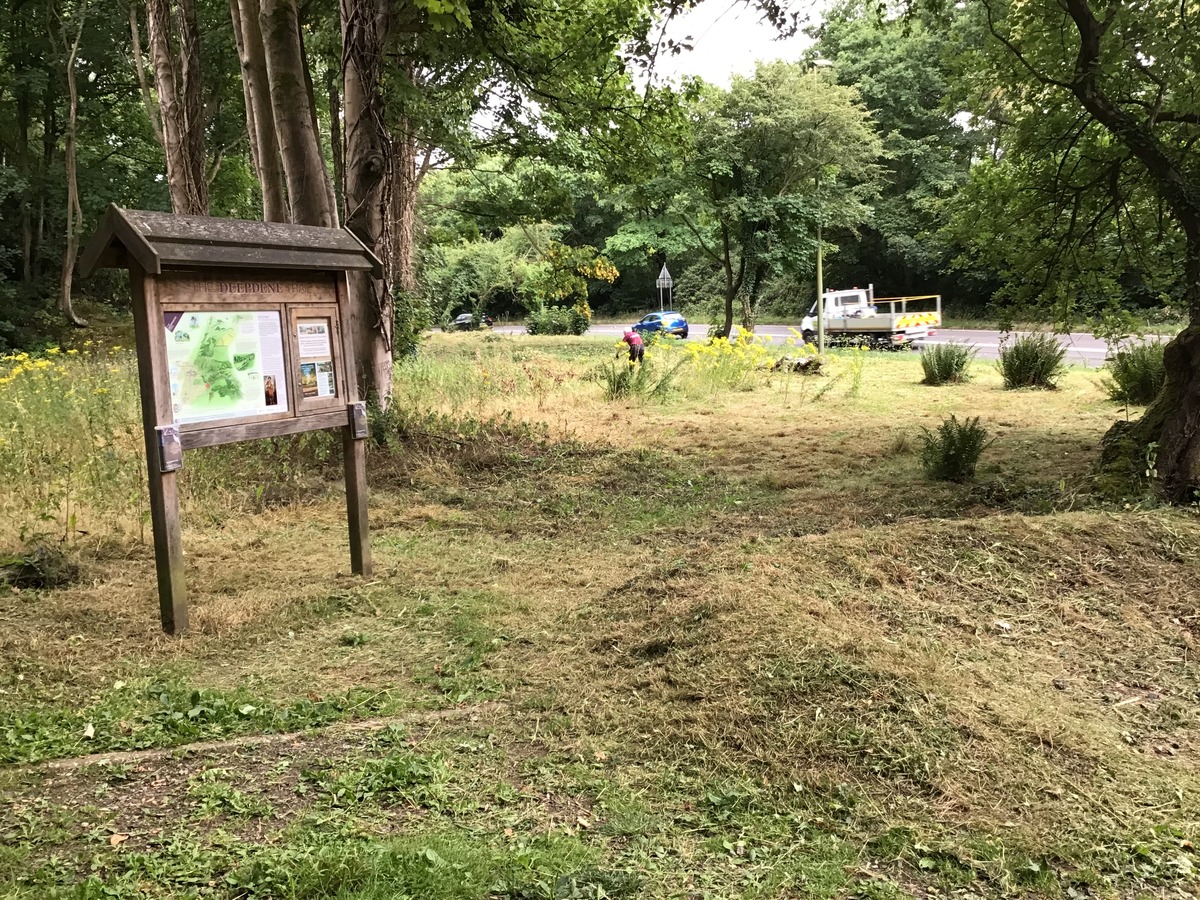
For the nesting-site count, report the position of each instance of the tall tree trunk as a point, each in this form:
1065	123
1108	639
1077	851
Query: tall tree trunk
300	149
185	173
368	185
335	141
260	120
74	211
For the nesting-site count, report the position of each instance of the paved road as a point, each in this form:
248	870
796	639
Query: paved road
1082	349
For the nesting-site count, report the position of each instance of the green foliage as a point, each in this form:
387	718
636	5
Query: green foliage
558	320
1032	361
946	363
398	776
413	317
1065	209
1136	373
952	452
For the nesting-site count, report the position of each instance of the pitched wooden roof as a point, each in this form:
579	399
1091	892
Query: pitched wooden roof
158	240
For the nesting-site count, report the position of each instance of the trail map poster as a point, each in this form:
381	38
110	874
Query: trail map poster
225	365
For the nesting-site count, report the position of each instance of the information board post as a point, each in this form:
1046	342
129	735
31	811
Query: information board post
164	488
354	451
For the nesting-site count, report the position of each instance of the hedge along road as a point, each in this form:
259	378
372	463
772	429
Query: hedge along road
1082	349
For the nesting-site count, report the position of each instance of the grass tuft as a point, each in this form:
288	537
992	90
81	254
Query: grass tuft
952	452
946	363
1032	361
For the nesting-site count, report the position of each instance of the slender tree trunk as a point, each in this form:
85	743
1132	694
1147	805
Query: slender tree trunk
23	168
335	142
331	197
369	180
730	288
260	120
185	173
300	148
74	211
139	66
404	210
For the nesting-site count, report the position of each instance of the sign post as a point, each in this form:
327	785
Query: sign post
664	282
239	335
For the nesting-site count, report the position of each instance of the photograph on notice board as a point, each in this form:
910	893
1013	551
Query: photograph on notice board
308	380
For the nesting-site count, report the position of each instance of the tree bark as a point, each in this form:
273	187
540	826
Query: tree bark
404	210
185	174
303	166
193	103
369	178
260	120
74	211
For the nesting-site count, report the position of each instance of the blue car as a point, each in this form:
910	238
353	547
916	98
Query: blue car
664	322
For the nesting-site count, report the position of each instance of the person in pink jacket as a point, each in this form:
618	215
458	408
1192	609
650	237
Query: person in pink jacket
637	349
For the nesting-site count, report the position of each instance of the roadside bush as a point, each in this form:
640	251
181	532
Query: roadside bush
946	363
558	320
1136	373
1032	361
952	452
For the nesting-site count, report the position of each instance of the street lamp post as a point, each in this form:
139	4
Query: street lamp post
820	273
821	64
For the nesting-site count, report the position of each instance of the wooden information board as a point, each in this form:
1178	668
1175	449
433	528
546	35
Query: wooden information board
240	335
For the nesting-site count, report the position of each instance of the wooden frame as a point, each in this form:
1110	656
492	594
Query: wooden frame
183	266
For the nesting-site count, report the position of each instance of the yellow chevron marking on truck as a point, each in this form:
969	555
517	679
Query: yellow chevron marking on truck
908	320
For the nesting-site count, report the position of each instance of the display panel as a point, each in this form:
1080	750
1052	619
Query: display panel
226	364
314	342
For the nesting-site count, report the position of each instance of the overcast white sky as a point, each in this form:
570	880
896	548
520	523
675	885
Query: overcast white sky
727	38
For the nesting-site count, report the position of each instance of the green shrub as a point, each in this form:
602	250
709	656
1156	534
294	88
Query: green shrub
623	380
1033	361
946	363
952	452
558	320
1136	373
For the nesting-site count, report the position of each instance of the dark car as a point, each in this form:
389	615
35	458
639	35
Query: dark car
664	322
468	322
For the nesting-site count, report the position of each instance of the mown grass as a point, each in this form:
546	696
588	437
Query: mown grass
727	643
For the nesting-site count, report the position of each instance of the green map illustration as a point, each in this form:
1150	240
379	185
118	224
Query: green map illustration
215	363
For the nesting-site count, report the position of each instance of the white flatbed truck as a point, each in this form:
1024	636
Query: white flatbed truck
857	316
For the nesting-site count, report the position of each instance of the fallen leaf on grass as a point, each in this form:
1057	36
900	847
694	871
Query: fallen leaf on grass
116	840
